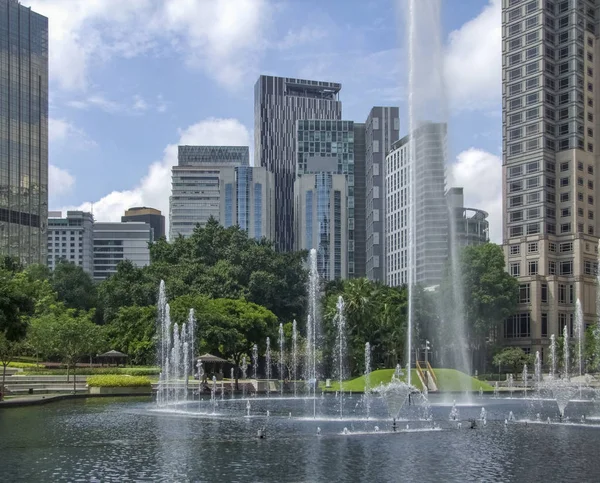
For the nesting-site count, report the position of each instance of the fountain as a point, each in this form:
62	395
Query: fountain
255	366
268	366
566	374
294	354
367	395
511	384
538	368
395	394
281	356
454	414
579	327
552	356
524	378
213	394
340	349
175	353
312	328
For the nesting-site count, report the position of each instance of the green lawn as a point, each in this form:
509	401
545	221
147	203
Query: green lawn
449	380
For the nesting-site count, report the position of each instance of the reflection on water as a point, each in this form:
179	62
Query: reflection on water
117	440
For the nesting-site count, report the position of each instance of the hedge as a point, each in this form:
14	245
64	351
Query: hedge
118	381
93	371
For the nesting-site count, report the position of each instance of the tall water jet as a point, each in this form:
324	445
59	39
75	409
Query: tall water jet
427	116
566	353
281	355
524	377
579	327
367	394
255	363
340	349
538	368
268	365
294	354
312	327
552	356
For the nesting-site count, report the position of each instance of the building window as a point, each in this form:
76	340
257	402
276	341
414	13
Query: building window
566	267
544	325
515	249
517	326
532	267
515	269
532	247
524	293
551	267
544	293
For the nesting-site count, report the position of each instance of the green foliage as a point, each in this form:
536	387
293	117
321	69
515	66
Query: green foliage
22	365
512	359
118	381
89	371
16	304
133	332
592	348
73	286
490	295
375	313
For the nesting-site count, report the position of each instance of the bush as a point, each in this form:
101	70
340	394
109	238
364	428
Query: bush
23	365
93	371
118	381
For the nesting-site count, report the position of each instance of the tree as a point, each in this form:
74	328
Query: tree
490	295
8	350
133	331
75	335
513	358
74	286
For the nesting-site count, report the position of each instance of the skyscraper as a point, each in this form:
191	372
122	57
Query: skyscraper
328	146
196	184
278	103
382	130
360	215
550	165
151	216
23	132
430	218
247	199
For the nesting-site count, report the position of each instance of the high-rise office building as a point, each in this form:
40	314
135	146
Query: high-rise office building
382	129
148	215
471	226
278	103
360	193
23	132
247	199
196	185
430	212
116	242
321	216
550	56
71	239
328	146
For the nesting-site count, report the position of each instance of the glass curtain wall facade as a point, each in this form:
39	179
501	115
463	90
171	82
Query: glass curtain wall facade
23	133
196	184
278	103
321	220
431	216
319	144
249	201
550	164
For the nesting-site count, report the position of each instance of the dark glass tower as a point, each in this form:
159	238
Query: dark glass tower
278	103
23	132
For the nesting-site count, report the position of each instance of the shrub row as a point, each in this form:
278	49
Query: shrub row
23	365
93	371
118	381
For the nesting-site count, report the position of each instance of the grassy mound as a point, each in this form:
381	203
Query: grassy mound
449	380
118	381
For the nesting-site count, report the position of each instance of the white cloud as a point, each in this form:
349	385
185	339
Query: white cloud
62	132
480	174
155	187
60	181
137	104
473	63
222	37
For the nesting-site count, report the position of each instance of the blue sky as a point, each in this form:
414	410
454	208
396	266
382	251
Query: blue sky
131	80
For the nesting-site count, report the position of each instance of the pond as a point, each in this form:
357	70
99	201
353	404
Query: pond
130	439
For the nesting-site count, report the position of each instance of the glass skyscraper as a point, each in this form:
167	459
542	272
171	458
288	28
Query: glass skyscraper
23	132
328	146
278	103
